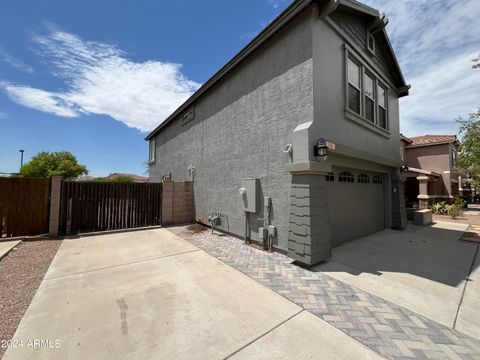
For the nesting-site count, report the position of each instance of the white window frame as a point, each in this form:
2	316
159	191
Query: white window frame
152	154
364	96
378	80
371	50
359	87
384	106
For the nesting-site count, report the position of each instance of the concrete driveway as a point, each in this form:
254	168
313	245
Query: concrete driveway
424	269
152	295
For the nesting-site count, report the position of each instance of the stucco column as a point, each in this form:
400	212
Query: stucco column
55	193
309	236
423	196
399	212
167	203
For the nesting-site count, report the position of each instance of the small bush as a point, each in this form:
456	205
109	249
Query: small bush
440	208
455	210
459	202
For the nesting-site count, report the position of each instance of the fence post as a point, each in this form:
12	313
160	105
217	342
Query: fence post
167	203
55	191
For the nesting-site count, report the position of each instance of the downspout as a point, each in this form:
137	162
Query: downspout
246	228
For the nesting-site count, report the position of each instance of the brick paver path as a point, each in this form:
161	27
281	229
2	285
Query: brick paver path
392	331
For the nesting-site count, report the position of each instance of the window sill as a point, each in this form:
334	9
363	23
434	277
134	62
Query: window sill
151	162
350	115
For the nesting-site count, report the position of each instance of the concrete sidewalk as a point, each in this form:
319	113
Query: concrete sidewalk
7	246
424	269
153	295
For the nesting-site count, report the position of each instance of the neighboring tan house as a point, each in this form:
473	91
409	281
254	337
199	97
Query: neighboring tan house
295	140
85	178
433	174
135	178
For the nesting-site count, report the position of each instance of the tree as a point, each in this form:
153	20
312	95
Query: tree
469	158
47	164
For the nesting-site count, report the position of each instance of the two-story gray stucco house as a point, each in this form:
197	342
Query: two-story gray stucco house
322	77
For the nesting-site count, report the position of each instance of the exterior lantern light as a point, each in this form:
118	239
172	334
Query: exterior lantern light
320	149
404	168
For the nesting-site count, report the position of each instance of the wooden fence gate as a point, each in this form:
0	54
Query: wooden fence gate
96	206
24	206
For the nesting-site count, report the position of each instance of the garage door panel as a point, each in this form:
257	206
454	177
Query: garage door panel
355	209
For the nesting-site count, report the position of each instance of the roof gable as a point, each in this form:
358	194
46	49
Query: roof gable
354	19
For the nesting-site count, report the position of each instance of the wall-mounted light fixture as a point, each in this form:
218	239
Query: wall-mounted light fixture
320	149
404	168
288	149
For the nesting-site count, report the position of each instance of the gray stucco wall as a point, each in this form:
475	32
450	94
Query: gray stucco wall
240	130
352	138
358	143
243	123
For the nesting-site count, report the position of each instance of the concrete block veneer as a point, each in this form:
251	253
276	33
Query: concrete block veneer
309	234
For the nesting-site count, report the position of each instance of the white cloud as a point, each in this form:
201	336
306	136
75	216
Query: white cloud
99	79
37	99
435	41
16	63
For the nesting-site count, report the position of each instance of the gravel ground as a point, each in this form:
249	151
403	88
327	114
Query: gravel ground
21	272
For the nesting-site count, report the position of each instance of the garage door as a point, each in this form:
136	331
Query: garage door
356	204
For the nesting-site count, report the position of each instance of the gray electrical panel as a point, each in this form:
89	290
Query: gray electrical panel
250	198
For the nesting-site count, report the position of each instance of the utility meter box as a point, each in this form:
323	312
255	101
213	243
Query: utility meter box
250	197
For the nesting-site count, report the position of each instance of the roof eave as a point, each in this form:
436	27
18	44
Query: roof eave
272	28
429	144
360	7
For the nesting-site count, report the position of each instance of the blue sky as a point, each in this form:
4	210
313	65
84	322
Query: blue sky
92	77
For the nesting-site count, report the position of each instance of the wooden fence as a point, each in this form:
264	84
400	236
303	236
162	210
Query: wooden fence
91	206
24	206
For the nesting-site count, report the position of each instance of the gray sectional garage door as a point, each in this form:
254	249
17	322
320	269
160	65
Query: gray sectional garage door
356	204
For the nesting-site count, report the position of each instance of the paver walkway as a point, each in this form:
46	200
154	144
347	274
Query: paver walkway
393	331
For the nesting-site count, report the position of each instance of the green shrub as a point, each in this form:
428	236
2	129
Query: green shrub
455	210
458	201
440	208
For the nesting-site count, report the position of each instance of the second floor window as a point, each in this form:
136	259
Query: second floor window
152	151
382	106
354	86
369	84
367	96
454	158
